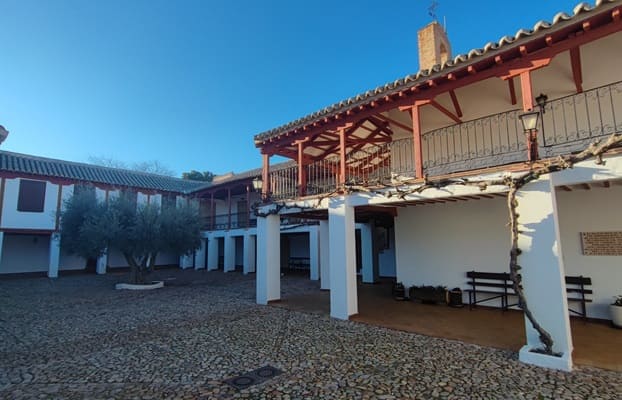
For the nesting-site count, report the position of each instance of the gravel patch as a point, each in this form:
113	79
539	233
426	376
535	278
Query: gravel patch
76	337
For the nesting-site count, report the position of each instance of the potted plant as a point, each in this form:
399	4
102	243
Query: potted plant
615	310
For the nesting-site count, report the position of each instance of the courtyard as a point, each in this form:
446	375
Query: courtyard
76	337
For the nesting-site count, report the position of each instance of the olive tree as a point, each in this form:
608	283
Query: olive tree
90	227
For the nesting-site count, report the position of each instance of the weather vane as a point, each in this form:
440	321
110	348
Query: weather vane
432	9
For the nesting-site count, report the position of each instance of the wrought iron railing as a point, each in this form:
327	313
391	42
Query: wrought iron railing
223	222
492	140
568	124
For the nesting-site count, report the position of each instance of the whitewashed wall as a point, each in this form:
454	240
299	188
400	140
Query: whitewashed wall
11	218
436	244
25	253
591	211
386	257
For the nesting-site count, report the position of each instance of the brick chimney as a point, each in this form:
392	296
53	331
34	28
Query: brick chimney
434	46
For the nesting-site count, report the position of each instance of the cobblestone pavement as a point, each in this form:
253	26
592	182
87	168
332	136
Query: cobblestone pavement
76	337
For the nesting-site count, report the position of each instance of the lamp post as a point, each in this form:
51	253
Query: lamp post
258	187
530	126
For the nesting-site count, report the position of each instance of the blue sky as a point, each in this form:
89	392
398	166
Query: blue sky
190	82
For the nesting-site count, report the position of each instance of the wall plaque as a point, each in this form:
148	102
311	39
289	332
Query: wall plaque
601	243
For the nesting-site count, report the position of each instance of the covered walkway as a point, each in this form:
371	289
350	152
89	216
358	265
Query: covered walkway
595	343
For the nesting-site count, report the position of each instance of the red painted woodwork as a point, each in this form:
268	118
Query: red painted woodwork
525	85
575	62
534	54
2	186
59	199
454	100
512	91
342	156
417	149
265	176
229	205
445	111
302	184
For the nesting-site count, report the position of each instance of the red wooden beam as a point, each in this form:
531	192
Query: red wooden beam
512	91
525	85
575	62
417	149
445	111
265	175
342	156
301	170
394	122
454	100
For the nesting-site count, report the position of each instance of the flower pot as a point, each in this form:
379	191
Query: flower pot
616	315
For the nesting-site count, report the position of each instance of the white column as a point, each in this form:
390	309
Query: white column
343	295
367	254
324	256
314	254
102	263
54	255
268	259
543	273
229	253
199	256
249	253
212	253
1	245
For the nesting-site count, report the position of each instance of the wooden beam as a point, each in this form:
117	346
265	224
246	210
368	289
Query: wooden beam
342	156
512	91
265	176
525	85
575	62
417	146
301	170
454	100
394	122
445	111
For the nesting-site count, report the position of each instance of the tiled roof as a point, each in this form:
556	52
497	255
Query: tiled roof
49	167
251	173
411	80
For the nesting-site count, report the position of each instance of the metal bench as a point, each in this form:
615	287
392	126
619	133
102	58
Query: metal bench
576	291
494	285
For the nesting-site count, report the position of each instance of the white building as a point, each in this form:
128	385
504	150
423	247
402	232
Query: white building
32	194
402	152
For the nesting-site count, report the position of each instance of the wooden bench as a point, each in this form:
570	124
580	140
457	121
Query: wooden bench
494	285
576	291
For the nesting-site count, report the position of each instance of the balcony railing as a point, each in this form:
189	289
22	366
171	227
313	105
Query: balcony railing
223	222
568	124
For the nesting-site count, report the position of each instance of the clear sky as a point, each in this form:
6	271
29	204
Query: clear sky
190	82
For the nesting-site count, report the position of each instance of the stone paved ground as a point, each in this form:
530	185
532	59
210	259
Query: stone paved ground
76	337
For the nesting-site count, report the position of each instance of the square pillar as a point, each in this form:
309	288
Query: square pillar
199	256
249	253
314	254
54	259
543	273
369	253
343	295
212	253
229	253
102	263
1	244
324	256
268	259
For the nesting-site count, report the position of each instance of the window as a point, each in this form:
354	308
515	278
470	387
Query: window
31	196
